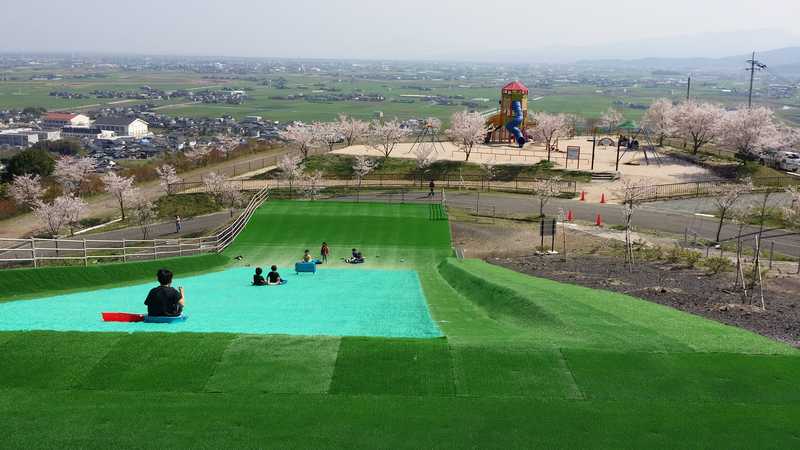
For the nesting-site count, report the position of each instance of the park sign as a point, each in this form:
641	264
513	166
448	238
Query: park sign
573	154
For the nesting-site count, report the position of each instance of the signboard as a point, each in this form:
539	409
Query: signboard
547	227
573	153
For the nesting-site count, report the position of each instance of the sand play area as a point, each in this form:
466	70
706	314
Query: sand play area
633	165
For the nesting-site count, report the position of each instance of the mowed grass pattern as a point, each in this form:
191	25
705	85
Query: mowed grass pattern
344	224
526	362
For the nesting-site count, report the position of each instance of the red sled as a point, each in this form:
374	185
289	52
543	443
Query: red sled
122	317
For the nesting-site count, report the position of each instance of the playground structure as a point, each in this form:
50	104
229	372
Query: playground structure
629	133
508	123
429	135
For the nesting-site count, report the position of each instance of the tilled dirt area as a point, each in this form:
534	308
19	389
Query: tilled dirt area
593	264
689	290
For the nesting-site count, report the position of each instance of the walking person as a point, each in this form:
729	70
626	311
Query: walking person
432	186
177	224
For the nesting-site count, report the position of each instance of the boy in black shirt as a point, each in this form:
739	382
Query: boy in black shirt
258	279
273	277
165	300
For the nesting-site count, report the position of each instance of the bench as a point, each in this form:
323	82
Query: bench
310	267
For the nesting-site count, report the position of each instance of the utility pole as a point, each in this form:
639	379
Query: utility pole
688	87
754	65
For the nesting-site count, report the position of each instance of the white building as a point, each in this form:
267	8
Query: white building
123	126
20	137
60	120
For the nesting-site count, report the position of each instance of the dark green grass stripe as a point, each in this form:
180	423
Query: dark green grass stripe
393	367
24	283
679	377
159	362
51	360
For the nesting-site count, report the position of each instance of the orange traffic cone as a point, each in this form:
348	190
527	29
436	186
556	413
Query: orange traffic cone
603	198
569	215
598	221
583	196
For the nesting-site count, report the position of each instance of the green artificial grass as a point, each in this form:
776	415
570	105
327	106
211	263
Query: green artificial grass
679	377
393	366
159	362
512	372
22	283
344	225
527	363
46	360
276	364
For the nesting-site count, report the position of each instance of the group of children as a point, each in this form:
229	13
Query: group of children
274	278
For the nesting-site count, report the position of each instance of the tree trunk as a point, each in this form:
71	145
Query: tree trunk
719	226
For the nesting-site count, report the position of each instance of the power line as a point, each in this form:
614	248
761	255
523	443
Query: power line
754	65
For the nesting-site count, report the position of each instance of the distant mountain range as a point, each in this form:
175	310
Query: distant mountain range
703	51
783	61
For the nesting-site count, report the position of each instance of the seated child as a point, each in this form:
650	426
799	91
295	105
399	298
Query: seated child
259	280
306	256
355	258
273	278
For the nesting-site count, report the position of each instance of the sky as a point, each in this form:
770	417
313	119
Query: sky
402	29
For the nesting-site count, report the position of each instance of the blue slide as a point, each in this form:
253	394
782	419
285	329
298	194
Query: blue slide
513	125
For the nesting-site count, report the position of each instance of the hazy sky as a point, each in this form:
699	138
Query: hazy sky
403	29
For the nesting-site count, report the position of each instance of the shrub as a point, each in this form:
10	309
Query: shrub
717	264
691	258
674	255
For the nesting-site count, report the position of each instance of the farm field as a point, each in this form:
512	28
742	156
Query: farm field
404	98
524	362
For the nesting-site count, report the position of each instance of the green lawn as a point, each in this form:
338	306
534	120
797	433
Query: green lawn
526	362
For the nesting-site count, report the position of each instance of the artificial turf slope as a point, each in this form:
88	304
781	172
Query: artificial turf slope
526	363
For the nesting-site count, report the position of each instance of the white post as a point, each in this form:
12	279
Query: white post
33	252
124	250
85	260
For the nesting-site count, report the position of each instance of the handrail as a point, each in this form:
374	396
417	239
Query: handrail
51	249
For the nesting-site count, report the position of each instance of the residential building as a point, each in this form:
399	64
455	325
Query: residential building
123	126
86	132
60	120
20	137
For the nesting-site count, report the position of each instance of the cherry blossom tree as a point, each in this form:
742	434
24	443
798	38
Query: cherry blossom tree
327	133
631	195
144	214
312	184
424	157
352	130
214	184
198	154
291	167
545	190
304	137
547	128
63	210
698	123
659	119
725	196
749	130
119	187
167	176
362	166
72	171
26	190
610	119
467	130
791	214
384	137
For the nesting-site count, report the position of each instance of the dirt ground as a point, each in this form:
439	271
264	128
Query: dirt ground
596	262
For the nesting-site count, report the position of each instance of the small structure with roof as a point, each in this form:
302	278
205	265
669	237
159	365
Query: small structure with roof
509	94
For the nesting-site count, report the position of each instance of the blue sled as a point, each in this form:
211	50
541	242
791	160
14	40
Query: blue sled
513	125
165	319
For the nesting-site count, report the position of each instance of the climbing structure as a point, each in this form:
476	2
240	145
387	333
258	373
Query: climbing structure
509	123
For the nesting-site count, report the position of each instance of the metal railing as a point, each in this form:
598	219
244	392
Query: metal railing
38	251
709	187
398	181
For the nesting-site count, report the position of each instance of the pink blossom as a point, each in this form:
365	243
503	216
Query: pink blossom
26	189
467	130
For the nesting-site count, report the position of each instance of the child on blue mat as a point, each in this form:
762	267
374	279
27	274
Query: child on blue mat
258	279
